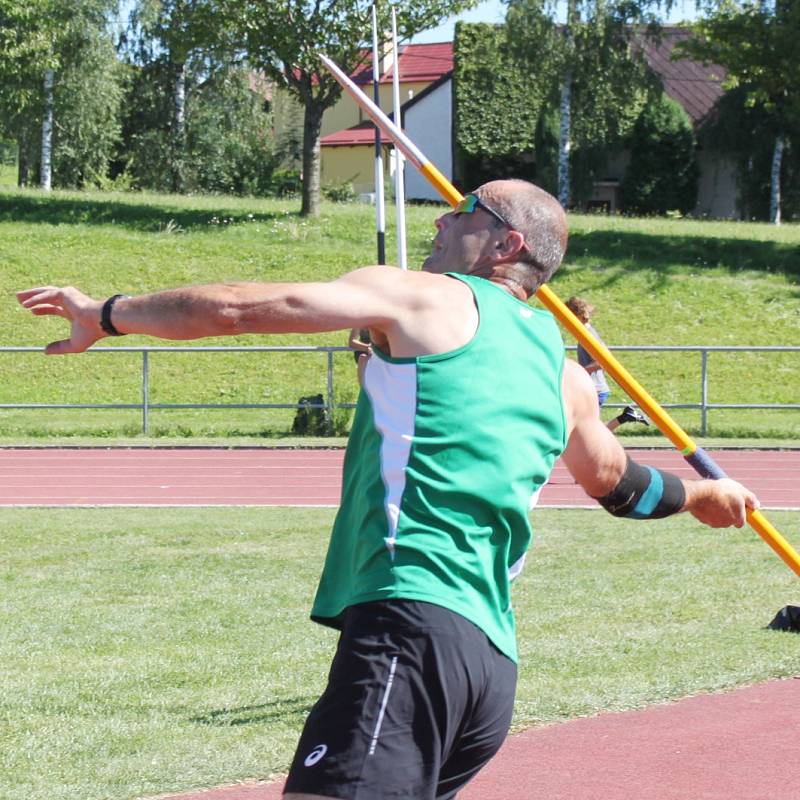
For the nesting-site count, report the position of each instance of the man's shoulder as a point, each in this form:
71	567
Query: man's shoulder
385	275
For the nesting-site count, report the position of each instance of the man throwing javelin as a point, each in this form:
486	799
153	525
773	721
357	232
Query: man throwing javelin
466	405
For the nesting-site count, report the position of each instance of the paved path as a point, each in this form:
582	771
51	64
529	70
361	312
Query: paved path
263	476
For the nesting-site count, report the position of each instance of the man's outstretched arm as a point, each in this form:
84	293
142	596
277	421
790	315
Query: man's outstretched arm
370	297
599	463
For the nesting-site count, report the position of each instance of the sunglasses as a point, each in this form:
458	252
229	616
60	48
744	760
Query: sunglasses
471	201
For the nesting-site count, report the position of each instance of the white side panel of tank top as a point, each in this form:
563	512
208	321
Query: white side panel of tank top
515	569
392	390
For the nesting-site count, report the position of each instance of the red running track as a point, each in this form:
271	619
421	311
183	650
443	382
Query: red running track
264	476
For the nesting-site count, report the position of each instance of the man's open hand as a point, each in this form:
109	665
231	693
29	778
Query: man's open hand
82	312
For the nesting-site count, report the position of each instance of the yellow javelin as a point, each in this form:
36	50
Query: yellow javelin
694	455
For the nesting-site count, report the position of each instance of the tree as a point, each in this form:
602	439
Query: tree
87	104
662	175
26	36
228	145
180	34
195	119
284	37
746	134
42	44
591	66
756	42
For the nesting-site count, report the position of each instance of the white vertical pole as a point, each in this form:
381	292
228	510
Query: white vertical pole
380	213
399	182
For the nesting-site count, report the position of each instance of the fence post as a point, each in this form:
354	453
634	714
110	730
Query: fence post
704	394
329	399
145	392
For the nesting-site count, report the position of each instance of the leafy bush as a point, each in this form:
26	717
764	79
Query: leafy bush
88	93
123	182
340	192
229	145
8	153
496	106
285	183
663	173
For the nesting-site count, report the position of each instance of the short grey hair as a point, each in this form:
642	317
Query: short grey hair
539	217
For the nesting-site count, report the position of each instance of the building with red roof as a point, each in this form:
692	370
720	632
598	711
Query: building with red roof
426	96
348	137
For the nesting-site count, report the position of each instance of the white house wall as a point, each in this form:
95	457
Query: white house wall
429	124
717	192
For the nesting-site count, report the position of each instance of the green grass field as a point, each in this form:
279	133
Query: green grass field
667	282
150	651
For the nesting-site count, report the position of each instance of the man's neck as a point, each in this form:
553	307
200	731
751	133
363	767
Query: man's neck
513	287
503	275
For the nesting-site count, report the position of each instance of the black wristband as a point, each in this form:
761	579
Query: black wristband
105	316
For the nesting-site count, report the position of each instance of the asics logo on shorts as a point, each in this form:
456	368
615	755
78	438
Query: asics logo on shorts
315	755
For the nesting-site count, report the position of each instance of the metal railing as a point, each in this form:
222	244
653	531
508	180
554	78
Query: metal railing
146	405
704	405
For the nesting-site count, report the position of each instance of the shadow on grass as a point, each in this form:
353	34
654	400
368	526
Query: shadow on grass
633	250
266	712
145	217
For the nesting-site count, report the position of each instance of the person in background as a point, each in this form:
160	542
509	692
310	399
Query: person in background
359	342
584	311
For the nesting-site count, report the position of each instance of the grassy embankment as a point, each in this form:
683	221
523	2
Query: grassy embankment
665	282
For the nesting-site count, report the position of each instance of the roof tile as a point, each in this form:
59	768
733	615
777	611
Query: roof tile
697	87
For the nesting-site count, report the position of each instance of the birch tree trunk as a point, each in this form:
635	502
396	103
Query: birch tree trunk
564	139
565	109
775	182
47	132
179	129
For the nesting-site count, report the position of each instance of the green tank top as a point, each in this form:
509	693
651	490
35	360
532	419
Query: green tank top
446	457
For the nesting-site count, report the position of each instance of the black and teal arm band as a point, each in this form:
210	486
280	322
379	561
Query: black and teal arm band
644	493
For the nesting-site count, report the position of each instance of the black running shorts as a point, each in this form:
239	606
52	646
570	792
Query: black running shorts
418	700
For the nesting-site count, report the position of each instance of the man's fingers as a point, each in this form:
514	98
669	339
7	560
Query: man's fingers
41	294
41	311
746	499
62	348
24	294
